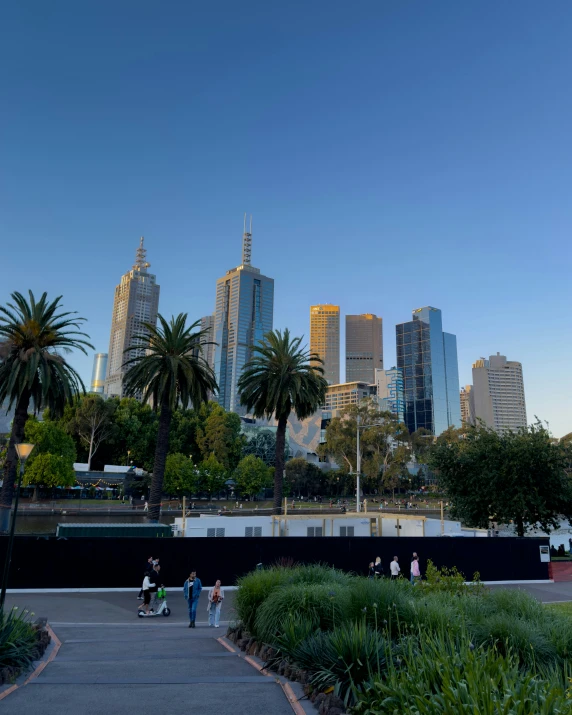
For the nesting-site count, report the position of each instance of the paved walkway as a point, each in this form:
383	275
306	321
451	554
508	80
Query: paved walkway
145	667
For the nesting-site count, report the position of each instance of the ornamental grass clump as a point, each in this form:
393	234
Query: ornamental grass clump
446	673
18	640
322	605
254	589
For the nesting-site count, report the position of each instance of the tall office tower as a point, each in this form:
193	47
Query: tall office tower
207	325
428	358
98	374
325	339
136	302
364	347
389	388
498	393
467	411
243	315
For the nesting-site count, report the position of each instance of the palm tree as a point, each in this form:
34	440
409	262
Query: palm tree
171	373
33	335
281	377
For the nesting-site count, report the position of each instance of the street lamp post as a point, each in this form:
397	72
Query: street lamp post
23	451
358	463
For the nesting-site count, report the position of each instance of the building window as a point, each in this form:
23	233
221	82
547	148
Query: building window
253	531
215	532
314	531
346	530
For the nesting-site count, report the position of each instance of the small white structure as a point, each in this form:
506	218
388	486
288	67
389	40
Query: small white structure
351	524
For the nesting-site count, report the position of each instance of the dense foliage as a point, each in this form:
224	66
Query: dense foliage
389	647
517	477
18	641
33	336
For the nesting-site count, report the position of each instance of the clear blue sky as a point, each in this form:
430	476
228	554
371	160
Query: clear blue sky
394	154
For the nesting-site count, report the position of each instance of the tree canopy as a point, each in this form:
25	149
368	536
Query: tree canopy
517	477
51	462
251	475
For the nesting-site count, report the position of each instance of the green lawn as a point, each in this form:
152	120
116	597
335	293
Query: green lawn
562	607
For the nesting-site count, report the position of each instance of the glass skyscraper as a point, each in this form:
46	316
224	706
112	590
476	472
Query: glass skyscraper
244	313
428	359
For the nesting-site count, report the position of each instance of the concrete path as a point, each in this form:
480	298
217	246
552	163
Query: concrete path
140	666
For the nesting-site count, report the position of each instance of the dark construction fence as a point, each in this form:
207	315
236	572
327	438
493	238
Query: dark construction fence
114	562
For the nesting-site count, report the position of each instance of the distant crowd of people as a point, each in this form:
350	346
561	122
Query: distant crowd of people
376	570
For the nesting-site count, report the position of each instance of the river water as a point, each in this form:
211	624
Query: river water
47	523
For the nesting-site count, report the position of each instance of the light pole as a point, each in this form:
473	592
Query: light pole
23	451
358	462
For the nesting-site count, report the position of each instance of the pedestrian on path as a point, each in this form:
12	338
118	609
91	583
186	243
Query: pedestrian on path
216	596
192	590
415	570
148	570
394	568
371	570
146	588
378	568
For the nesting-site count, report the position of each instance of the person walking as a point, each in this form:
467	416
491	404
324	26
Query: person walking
148	569
394	568
192	590
146	588
415	570
378	568
216	596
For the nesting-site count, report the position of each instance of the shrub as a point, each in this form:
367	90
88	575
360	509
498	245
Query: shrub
509	633
18	641
444	673
322	605
450	580
253	590
352	654
319	574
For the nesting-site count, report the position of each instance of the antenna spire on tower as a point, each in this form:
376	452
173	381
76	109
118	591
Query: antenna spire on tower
247	243
141	257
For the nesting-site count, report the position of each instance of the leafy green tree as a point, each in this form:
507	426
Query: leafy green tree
180	475
220	435
33	336
384	449
514	476
51	462
134	438
171	372
303	478
183	437
251	475
212	476
280	378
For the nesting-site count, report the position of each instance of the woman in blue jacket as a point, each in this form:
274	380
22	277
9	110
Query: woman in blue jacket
192	590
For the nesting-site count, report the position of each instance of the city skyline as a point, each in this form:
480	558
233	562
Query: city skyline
449	158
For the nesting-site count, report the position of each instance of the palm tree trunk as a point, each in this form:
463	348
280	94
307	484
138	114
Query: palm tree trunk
11	464
159	464
279	461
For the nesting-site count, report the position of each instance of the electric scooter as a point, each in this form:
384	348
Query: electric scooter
157	607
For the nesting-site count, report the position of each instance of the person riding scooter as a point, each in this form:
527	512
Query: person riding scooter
146	588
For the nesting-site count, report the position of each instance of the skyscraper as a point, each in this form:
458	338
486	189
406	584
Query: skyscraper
364	347
498	393
207	325
467	410
428	358
99	372
325	339
389	388
136	302
244	313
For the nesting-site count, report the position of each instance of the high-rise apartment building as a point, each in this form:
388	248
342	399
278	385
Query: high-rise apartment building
467	410
244	313
348	393
136	303
99	372
428	358
364	347
325	339
390	391
498	393
207	326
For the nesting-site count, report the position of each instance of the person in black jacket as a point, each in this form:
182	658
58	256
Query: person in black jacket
378	568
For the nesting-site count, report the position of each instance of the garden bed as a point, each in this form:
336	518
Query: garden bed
21	643
369	647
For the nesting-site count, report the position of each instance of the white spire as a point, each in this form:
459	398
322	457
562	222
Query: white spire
141	257
247	243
